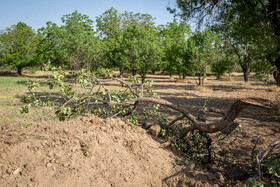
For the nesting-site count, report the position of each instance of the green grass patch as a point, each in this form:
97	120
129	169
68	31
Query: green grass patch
12	89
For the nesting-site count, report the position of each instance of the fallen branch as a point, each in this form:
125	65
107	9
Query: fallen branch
86	98
262	153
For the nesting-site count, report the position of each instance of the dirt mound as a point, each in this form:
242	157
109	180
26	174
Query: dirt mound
93	152
84	152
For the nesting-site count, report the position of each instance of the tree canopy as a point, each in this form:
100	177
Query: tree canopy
256	21
18	46
139	49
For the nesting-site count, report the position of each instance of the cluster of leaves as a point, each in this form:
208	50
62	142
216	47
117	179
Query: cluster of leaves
270	167
69	96
194	145
18	46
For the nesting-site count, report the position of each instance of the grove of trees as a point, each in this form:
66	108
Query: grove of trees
230	35
131	42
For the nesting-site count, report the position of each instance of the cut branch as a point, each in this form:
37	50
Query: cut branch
262	153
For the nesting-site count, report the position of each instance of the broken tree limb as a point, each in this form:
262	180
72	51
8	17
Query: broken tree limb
226	125
262	153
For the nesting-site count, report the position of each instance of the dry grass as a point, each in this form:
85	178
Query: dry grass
203	89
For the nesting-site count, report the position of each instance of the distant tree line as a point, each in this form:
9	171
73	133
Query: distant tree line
131	42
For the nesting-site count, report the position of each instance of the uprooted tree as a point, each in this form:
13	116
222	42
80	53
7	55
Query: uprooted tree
90	94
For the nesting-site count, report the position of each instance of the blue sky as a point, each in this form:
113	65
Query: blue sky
36	13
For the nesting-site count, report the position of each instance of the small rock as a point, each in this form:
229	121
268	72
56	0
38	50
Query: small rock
49	165
154	130
66	131
33	179
17	171
126	179
9	171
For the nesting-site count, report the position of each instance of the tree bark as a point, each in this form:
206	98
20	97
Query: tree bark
276	76
121	72
199	79
184	76
272	8
245	70
134	72
19	70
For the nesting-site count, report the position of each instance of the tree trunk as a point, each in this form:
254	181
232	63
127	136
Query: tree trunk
143	78
134	72
203	78
245	73
199	79
276	23
19	70
276	76
229	76
121	72
180	77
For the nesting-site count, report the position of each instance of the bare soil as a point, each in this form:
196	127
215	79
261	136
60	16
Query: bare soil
89	151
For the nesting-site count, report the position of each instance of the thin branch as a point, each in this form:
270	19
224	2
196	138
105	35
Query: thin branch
132	110
263	153
177	119
263	7
273	12
127	84
254	147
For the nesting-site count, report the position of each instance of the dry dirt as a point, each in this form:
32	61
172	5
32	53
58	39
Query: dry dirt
89	151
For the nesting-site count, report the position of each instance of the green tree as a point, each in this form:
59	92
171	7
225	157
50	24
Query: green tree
18	46
225	60
224	65
139	49
112	25
257	18
49	48
129	18
206	44
109	25
243	51
79	45
172	37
